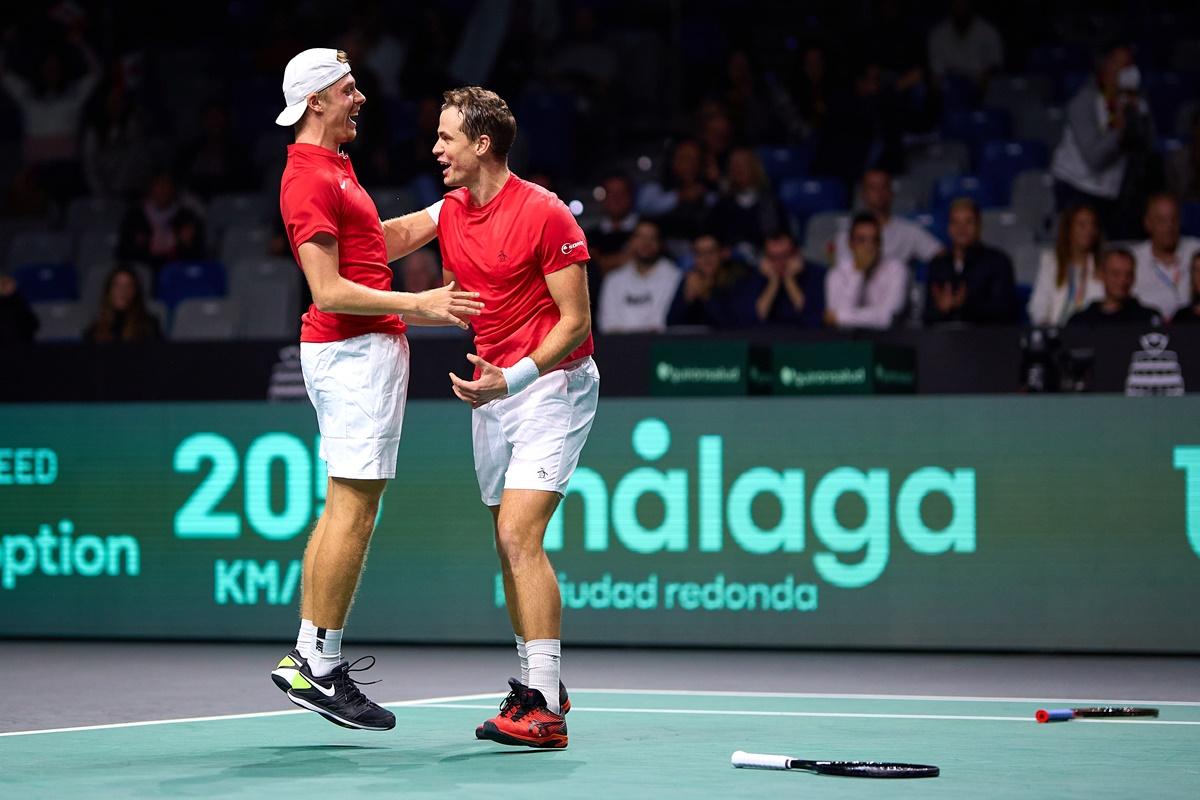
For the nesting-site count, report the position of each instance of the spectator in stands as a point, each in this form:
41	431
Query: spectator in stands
748	108
1183	166
863	129
865	290
420	271
747	209
51	112
972	282
608	240
162	227
18	323
216	163
813	90
1190	314
966	46
708	293
1118	304
903	240
716	136
1107	123
1163	282
636	297
116	152
786	291
1067	281
123	316
680	202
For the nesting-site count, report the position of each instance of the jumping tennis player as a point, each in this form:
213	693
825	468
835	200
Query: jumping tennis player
354	356
535	384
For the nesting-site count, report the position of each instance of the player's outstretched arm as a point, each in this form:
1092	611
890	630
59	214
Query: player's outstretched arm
405	234
334	294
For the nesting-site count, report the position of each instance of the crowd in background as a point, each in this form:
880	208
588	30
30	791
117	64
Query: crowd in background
858	165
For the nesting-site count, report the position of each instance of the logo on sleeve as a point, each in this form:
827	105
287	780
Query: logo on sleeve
566	248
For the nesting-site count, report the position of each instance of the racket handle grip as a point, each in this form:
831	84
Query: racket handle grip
746	760
1055	715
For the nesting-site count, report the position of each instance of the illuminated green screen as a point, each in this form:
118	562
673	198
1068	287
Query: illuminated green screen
980	523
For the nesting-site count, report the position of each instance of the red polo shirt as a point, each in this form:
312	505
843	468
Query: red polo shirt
319	193
504	250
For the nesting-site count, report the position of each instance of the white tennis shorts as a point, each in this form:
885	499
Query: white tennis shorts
532	440
358	387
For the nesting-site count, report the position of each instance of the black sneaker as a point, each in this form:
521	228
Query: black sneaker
513	701
337	698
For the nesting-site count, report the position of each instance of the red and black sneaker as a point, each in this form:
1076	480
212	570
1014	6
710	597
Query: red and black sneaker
510	703
526	722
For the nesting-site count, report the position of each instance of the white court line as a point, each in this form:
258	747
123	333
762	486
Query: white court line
830	714
443	702
256	715
930	697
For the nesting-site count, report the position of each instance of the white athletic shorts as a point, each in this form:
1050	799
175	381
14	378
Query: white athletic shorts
358	387
532	440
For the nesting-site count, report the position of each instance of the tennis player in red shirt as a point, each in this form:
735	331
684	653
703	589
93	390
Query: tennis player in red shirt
535	384
354	356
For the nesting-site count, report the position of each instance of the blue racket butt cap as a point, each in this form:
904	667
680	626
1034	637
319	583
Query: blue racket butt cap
1055	715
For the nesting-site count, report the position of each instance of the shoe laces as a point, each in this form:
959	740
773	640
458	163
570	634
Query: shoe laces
351	684
514	696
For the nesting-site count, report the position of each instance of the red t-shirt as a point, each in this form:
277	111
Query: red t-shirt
503	250
319	193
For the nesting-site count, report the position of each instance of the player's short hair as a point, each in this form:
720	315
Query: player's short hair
484	112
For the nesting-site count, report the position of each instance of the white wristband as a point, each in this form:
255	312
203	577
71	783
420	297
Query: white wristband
520	375
434	210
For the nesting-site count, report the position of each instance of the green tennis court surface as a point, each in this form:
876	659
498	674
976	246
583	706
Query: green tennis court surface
627	745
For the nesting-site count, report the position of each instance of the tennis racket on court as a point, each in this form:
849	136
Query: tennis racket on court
1065	714
849	769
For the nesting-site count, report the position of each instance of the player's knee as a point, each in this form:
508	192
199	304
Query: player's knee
515	544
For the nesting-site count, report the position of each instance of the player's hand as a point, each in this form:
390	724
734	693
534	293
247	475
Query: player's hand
445	304
487	387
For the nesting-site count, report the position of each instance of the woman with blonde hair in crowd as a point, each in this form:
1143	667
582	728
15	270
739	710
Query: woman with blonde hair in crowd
1067	280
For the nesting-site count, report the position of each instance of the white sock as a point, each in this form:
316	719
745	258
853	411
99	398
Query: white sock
523	655
544	655
306	638
327	652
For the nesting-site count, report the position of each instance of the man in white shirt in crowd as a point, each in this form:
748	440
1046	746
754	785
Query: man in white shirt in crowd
966	45
635	298
1163	279
903	240
866	289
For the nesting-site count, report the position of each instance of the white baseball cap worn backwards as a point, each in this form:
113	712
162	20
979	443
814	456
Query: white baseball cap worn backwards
307	73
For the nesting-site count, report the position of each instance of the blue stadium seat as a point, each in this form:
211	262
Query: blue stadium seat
1189	219
803	198
1024	292
1002	160
785	163
935	222
948	187
41	283
977	127
182	280
1166	92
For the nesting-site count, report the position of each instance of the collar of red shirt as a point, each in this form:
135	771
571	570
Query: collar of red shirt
302	148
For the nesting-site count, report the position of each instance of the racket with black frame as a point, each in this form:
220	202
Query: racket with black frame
1065	714
848	769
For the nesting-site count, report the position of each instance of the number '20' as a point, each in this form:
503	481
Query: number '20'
304	482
